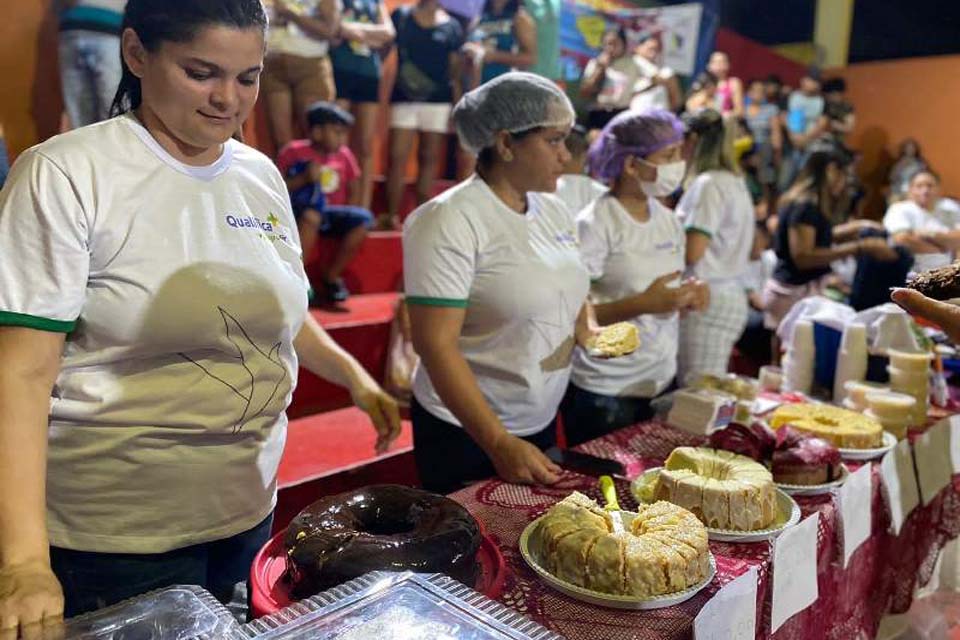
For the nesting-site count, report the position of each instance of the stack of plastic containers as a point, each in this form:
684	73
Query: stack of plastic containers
851	359
895	411
910	375
798	362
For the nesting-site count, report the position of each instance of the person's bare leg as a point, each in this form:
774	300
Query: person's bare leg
401	140
363	131
308	226
280	116
348	247
428	159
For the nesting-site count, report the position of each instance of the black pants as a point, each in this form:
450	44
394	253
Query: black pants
447	457
588	415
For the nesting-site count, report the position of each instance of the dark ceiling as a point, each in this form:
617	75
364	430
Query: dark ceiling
882	29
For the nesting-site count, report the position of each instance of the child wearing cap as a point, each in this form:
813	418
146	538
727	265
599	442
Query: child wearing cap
323	178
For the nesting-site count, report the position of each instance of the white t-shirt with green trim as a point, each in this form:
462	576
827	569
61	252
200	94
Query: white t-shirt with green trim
522	283
578	191
624	256
718	204
181	289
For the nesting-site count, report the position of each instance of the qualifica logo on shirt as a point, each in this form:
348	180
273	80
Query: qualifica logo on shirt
669	245
270	229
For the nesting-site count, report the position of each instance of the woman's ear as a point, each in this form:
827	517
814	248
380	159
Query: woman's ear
133	51
637	169
504	146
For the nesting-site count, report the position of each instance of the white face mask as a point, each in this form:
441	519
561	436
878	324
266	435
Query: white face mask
669	177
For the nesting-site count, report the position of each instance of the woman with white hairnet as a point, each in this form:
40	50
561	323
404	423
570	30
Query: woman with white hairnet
633	247
496	292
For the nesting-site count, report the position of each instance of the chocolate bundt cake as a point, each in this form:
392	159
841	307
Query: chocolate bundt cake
380	527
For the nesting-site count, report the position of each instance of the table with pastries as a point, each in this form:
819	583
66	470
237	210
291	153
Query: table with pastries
880	577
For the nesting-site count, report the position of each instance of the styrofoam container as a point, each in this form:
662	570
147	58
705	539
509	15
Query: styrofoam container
891	405
771	378
910	361
908	381
857	391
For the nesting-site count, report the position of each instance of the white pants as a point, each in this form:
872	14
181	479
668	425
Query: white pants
707	338
431	117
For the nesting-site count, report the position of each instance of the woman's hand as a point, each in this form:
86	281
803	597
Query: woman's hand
587	326
30	599
944	315
283	11
661	297
699	294
382	409
518	461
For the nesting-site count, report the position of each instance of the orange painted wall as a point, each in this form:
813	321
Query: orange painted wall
916	97
30	102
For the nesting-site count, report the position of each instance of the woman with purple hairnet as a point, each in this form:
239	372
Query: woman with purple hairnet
633	248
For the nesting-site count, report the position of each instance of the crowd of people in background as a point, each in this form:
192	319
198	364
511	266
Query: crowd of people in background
322	88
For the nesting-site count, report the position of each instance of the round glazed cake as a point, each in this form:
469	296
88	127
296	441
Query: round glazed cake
381	527
664	551
725	490
841	427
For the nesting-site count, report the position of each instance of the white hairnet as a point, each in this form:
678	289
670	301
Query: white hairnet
514	102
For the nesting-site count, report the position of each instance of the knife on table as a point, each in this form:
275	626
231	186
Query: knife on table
586	464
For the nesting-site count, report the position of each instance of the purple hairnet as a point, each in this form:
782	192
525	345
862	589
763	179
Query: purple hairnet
632	133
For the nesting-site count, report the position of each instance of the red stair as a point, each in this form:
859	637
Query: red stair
377	267
332	452
361	326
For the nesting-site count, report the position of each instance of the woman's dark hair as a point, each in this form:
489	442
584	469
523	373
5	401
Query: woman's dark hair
811	183
488	156
702	81
511	8
618	31
926	171
159	21
714	148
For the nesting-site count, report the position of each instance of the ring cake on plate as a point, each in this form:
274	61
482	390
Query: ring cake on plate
663	551
725	490
841	427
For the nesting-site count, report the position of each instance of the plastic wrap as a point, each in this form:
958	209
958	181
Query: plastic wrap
175	613
398	606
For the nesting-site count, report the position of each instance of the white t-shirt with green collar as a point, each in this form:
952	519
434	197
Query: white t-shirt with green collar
180	289
521	281
624	256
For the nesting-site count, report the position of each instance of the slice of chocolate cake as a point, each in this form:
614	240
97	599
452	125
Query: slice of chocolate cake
940	284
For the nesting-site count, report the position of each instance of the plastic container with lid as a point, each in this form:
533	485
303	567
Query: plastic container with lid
857	391
908	381
393	606
891	405
910	361
898	428
174	613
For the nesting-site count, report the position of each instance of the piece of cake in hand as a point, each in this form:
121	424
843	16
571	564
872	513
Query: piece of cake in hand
804	460
614	340
940	284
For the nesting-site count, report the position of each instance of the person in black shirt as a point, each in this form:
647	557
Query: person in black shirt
809	235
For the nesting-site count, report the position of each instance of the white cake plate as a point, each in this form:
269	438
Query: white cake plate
607	599
816	489
788	514
889	442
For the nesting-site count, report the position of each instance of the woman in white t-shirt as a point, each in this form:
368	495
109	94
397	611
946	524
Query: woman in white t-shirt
496	292
925	223
153	312
717	213
633	248
610	80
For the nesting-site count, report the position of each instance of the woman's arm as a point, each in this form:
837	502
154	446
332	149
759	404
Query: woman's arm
806	255
736	93
322	356
325	25
456	75
526	31
697	243
376	35
659	297
850	230
29	592
592	82
436	333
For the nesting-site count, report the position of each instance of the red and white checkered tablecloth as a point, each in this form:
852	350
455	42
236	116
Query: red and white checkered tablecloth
881	575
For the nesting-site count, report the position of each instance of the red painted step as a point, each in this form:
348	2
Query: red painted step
361	325
333	452
377	267
409	201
